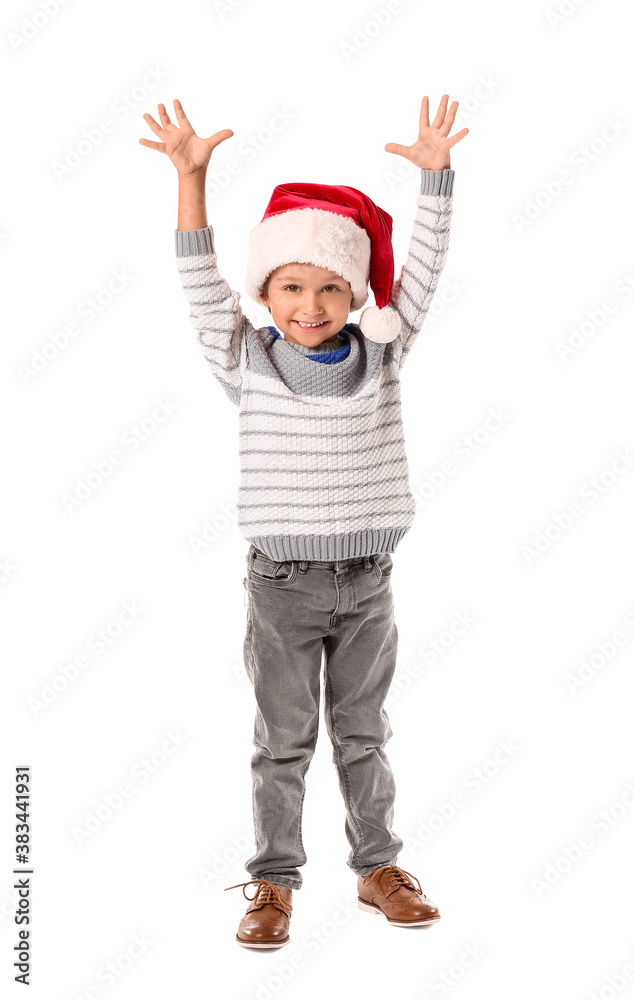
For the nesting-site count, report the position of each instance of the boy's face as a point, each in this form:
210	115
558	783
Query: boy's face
305	293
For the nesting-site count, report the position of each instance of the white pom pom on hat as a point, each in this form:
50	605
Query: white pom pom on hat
381	325
334	227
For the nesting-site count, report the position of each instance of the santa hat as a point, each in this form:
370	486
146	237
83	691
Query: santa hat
335	227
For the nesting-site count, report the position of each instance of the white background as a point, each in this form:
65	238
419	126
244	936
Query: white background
538	95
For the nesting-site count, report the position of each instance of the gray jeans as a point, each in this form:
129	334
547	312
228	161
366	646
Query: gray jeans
299	611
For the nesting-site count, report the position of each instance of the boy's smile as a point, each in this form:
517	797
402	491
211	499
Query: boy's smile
309	304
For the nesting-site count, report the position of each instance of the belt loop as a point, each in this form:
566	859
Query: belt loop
367	564
303	565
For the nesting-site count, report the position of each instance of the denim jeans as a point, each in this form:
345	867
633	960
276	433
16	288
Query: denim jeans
298	612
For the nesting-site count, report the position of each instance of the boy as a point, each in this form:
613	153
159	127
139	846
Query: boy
324	494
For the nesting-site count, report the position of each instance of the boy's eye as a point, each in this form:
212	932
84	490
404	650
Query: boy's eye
286	287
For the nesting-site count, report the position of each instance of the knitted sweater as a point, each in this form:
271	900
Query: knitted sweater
324	473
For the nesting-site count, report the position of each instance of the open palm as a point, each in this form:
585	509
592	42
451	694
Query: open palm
431	149
187	151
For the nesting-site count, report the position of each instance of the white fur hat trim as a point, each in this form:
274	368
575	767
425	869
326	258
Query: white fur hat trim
310	236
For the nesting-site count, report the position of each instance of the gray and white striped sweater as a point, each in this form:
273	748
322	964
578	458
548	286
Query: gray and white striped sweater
324	473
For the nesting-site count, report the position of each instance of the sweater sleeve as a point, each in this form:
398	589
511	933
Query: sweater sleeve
215	311
413	291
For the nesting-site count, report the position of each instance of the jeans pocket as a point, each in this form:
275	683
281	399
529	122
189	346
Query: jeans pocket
273	574
247	644
384	562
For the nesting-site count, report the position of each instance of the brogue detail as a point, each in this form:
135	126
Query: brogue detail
390	890
266	921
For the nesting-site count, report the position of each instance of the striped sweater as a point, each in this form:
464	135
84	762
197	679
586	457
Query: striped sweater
323	470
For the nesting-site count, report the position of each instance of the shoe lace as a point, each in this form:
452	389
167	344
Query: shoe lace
397	877
266	892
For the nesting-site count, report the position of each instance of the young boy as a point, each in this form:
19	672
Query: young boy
324	496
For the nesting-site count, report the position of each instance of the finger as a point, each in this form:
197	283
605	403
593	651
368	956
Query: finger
180	114
153	145
458	136
440	115
163	115
395	147
423	120
218	137
156	128
445	128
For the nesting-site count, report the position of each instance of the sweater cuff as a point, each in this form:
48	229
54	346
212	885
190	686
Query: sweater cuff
437	182
190	242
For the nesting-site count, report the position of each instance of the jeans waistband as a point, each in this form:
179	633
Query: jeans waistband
368	561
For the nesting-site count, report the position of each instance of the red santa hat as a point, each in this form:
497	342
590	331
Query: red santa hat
335	227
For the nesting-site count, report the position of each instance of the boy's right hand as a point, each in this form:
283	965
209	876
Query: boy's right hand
188	152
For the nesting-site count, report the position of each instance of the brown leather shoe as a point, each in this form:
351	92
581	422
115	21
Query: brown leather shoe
265	923
390	891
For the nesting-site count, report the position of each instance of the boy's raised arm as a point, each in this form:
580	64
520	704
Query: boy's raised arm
215	311
413	291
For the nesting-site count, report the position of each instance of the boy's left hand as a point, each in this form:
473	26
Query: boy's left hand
431	149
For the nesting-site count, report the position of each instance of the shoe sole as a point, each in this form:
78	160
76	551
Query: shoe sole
371	908
262	944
